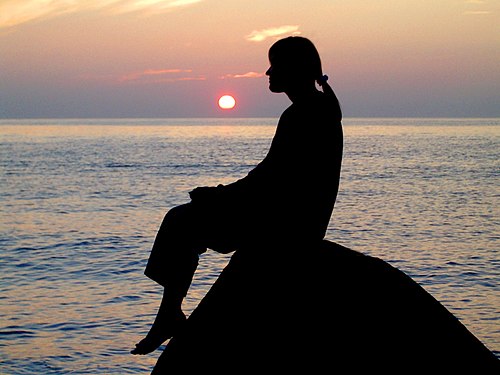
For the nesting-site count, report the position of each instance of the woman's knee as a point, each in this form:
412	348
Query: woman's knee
191	228
181	226
178	215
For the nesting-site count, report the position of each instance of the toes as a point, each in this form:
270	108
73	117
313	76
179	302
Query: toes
142	349
147	346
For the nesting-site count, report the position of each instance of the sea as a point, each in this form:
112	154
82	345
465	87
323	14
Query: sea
82	199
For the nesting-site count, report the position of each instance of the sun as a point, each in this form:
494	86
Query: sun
227	102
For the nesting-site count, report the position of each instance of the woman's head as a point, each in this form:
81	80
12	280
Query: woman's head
294	61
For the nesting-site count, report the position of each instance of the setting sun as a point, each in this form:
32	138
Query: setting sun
227	102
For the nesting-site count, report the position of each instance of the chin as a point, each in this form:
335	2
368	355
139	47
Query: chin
275	89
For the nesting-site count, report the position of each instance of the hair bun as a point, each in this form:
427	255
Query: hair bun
321	81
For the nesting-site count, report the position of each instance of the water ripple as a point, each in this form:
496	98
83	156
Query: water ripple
83	208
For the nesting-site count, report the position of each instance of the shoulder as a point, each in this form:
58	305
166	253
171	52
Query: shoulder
318	109
329	107
321	109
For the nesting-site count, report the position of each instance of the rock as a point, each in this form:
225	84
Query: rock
327	309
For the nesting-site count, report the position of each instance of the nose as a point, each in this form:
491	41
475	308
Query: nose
268	72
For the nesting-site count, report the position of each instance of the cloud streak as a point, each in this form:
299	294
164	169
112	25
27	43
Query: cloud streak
476	12
16	12
245	75
159	76
273	32
151	6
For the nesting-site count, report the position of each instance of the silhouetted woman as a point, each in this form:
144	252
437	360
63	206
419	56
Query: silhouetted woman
288	198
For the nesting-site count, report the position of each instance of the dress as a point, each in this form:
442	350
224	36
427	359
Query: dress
290	194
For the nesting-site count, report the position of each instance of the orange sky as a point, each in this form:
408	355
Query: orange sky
174	58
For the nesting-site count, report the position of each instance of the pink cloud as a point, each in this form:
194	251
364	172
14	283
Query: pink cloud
16	12
245	75
272	32
158	76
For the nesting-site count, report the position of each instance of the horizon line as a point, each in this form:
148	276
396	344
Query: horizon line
231	117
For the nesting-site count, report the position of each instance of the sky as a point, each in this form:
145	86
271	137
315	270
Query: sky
175	58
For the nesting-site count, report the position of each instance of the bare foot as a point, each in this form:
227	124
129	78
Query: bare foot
163	328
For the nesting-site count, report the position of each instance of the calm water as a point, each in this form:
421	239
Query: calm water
81	201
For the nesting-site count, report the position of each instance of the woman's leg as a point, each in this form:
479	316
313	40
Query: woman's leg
174	256
172	263
168	321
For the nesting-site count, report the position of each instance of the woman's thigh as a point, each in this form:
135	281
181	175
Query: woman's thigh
203	226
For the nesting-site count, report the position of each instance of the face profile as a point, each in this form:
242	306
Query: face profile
278	77
295	65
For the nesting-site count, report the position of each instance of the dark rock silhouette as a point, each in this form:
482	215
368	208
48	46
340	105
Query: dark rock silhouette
332	310
288	301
